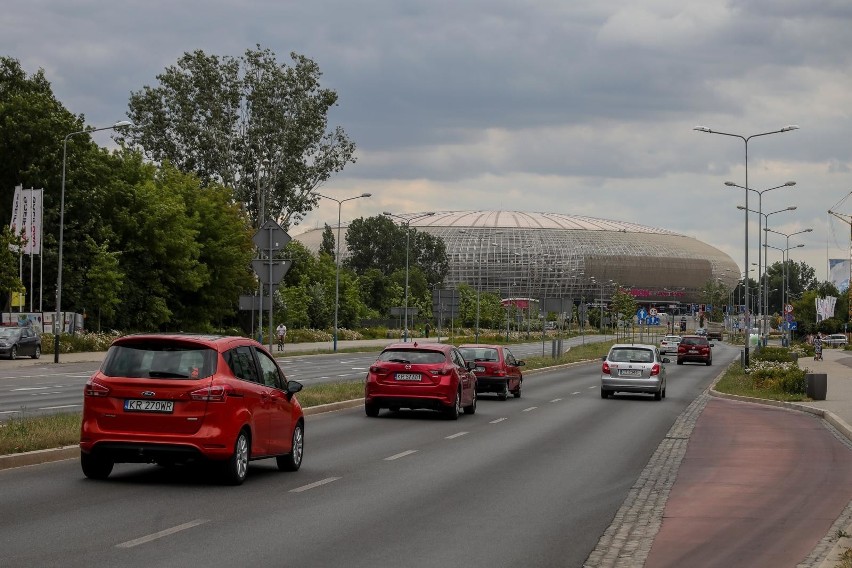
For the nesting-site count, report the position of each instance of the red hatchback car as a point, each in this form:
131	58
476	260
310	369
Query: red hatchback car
497	370
421	375
175	398
694	348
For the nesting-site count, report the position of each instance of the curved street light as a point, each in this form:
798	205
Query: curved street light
340	203
745	140
58	324
406	220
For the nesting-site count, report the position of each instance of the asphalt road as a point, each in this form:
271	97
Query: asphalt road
48	388
525	482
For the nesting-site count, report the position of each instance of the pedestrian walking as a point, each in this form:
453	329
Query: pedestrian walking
818	347
281	330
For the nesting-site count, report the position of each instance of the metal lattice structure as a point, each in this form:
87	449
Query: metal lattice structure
538	255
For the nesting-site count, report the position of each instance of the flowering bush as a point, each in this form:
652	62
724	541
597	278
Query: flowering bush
78	342
778	376
780	354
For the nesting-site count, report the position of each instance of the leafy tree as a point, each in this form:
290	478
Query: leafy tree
9	278
375	242
623	305
328	242
714	294
246	122
430	254
104	281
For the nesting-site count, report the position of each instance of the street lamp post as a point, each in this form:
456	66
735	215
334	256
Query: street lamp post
760	303
745	140
406	220
340	203
786	271
58	324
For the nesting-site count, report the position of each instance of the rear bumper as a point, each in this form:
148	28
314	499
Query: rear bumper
491	384
208	442
410	396
693	358
649	385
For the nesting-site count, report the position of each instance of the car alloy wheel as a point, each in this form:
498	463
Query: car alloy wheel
293	460
237	465
37	352
14	352
472	408
454	410
505	393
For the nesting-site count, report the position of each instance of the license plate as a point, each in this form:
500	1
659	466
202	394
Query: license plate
132	405
630	372
479	369
693	350
408	376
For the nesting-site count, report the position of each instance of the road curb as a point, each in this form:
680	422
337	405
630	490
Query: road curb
39	457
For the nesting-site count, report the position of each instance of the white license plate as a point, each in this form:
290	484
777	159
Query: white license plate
408	376
630	372
479	369
693	350
135	405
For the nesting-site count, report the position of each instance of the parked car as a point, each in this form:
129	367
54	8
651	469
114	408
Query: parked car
669	343
497	370
836	340
634	368
421	375
16	341
175	398
694	348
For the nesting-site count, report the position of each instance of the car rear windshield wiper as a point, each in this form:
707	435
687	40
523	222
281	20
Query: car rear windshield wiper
166	375
399	361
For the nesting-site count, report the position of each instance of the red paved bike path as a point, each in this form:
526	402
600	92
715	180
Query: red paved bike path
758	487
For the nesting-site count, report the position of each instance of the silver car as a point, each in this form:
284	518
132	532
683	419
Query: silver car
669	344
634	368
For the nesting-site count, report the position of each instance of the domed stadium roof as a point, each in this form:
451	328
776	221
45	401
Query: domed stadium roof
550	255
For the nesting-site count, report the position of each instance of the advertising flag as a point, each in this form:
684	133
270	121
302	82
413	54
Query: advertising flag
838	273
27	218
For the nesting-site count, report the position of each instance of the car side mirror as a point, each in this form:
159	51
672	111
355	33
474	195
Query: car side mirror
471	365
666	360
603	358
292	388
520	363
712	345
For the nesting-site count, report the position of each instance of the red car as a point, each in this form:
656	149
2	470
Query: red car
421	375
175	398
694	348
497	370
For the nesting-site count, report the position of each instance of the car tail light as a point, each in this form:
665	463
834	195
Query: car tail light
655	370
377	370
94	388
605	368
442	371
216	393
500	373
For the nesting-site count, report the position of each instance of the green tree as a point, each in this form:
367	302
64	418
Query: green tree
104	281
328	242
714	294
375	242
9	278
623	305
246	122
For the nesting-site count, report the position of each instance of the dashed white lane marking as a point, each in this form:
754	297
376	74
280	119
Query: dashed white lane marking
530	408
9	411
58	407
556	400
314	484
360	368
498	420
161	534
400	455
578	392
29	389
455	435
593	387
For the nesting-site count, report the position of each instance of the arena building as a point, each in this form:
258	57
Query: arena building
552	255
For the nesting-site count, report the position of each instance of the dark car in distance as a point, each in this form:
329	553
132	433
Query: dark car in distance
416	375
177	398
695	349
497	370
16	341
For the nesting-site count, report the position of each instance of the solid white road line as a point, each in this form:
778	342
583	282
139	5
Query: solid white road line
498	420
455	435
161	534
58	407
314	484
400	455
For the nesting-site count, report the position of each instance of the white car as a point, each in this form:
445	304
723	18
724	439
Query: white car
669	343
836	340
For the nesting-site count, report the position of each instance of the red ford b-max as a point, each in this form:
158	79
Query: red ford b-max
175	398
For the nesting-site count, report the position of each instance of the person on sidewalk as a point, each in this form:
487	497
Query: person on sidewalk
281	330
818	347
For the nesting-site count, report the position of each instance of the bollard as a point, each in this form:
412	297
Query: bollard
742	358
553	352
817	384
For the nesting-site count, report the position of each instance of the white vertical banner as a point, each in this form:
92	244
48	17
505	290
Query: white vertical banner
27	219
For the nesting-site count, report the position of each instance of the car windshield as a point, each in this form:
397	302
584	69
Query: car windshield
479	354
631	355
671	338
157	359
693	341
412	356
10	332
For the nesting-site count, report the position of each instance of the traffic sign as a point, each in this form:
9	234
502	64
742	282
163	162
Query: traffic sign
788	309
261	267
271	236
652	312
641	314
793	325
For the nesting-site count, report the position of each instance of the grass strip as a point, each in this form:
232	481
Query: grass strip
736	381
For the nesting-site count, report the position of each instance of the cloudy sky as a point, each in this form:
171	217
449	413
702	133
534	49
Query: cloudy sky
568	106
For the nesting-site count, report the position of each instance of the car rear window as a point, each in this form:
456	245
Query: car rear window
631	355
160	360
694	341
414	356
479	354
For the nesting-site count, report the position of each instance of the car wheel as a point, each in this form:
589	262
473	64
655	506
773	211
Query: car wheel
709	362
472	408
454	411
517	391
658	395
372	410
604	393
14	352
236	468
37	353
95	466
293	460
679	362
504	394
664	392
